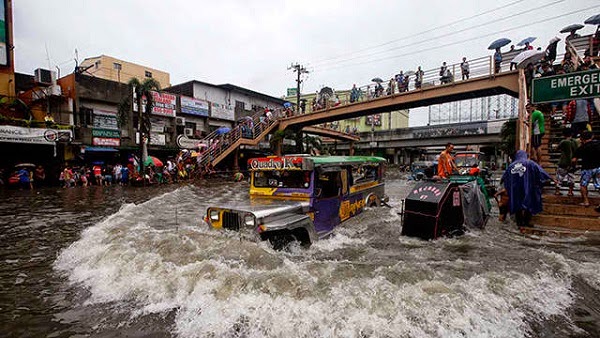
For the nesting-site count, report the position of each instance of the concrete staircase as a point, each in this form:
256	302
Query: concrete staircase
562	214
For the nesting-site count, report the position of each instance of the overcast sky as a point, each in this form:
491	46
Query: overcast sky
252	43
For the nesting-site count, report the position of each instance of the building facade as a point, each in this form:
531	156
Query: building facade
113	69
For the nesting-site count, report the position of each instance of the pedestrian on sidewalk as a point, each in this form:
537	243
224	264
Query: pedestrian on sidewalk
523	181
589	153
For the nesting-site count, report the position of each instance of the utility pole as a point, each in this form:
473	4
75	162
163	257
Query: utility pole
300	70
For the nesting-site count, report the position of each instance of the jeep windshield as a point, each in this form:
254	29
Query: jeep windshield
296	179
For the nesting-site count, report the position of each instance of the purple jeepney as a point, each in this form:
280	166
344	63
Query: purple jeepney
302	198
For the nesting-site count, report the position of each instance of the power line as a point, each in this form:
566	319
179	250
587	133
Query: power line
421	33
461	41
448	34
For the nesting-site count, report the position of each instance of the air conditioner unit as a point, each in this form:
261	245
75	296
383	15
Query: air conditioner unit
180	121
43	76
188	131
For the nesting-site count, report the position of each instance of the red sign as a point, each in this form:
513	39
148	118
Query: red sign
103	141
275	163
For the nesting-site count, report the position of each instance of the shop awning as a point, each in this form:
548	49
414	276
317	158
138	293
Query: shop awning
100	150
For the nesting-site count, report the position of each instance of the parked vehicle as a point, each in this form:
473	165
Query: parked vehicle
471	163
422	169
302	198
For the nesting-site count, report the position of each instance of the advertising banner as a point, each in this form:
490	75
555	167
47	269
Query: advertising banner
3	35
158	139
164	104
14	134
194	106
221	111
105	122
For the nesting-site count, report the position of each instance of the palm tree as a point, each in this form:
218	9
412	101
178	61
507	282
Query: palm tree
140	90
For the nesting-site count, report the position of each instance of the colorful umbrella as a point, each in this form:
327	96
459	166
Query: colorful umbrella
151	160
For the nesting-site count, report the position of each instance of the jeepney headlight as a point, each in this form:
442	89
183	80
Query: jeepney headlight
214	215
249	220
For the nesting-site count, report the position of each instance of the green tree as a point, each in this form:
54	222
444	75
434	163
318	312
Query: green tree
142	98
508	136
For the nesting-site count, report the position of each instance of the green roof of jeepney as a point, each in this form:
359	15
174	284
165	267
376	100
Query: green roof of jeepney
340	160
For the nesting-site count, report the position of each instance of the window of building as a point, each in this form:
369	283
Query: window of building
117	66
148	74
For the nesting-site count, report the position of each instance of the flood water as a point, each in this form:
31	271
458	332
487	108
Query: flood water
106	262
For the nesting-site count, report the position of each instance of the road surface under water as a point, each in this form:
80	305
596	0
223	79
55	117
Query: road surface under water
112	261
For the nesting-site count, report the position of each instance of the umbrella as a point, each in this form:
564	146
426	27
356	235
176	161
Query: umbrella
287	105
528	56
499	43
222	130
571	28
526	41
593	20
377	79
25	165
151	160
554	40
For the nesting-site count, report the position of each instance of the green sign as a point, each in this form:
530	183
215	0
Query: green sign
292	91
106	133
567	87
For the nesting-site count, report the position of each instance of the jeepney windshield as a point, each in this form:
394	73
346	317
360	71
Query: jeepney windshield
466	160
297	179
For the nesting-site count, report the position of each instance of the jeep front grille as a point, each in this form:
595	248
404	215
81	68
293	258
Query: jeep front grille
231	221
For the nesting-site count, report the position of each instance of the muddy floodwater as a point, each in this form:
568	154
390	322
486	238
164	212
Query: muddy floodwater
131	262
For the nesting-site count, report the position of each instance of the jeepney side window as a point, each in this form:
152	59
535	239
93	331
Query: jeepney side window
364	173
260	179
294	179
329	184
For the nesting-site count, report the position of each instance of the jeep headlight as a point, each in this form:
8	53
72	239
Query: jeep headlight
214	215
249	220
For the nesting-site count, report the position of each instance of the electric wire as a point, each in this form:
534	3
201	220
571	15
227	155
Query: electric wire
460	41
448	34
423	32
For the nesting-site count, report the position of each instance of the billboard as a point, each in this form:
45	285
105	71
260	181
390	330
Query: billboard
3	35
164	104
222	111
193	106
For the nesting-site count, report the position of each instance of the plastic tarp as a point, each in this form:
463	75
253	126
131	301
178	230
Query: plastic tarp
475	205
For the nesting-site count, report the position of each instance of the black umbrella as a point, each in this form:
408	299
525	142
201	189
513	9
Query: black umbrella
571	28
378	80
593	20
499	43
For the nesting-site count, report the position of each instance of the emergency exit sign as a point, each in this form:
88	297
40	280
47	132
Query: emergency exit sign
566	87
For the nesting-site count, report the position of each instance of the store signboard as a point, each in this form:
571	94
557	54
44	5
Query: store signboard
193	106
165	104
106	141
106	133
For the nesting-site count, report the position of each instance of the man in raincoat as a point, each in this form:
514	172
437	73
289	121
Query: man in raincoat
524	180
